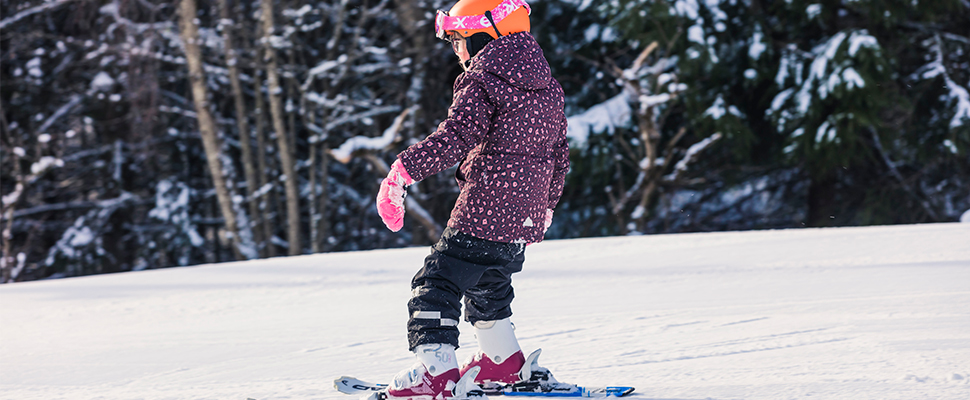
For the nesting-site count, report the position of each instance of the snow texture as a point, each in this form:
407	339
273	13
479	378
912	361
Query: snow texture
837	314
757	47
606	116
825	133
718	109
33	68
653	100
813	10
80	246
45	163
692	152
957	93
31	11
826	72
689	9
592	32
172	206
951	146
13	196
962	97
102	82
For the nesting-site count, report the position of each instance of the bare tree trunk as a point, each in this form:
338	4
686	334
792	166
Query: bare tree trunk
650	136
267	187
7	259
285	152
309	119
314	233
189	32
324	223
242	118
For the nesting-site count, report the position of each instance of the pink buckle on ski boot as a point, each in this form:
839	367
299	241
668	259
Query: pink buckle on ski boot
506	372
416	383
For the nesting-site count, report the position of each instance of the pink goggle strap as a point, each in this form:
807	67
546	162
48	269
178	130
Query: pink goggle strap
444	22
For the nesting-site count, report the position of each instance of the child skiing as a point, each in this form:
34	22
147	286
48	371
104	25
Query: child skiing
506	130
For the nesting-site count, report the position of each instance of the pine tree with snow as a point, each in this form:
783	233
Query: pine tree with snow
864	98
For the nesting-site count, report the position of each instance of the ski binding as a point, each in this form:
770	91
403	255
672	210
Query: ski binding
535	381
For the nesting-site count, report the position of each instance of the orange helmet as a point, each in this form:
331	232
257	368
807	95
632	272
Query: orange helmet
494	17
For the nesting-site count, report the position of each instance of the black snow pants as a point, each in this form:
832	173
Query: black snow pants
461	265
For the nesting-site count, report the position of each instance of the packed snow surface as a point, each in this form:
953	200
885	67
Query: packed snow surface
842	313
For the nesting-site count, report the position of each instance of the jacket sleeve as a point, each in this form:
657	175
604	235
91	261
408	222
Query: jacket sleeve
560	156
467	124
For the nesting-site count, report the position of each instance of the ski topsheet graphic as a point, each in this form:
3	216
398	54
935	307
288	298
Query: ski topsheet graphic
351	385
354	386
540	383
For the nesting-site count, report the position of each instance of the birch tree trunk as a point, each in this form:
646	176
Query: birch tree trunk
189	32
7	208
309	119
267	185
242	119
323	230
276	111
314	240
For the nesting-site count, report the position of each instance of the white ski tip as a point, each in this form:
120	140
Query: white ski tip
351	385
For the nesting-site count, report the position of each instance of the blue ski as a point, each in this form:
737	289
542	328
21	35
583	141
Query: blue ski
535	381
354	386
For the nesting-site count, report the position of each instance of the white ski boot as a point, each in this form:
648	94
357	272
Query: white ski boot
434	377
499	355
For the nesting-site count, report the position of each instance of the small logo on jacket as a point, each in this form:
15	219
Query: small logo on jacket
528	222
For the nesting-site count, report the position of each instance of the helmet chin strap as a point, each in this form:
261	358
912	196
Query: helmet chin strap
467	63
488	14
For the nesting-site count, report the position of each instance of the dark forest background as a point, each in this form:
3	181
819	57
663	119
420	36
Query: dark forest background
141	134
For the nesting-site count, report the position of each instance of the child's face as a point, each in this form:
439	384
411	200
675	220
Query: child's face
458	45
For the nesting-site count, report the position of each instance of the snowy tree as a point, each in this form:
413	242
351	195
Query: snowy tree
685	115
629	148
178	235
189	32
830	89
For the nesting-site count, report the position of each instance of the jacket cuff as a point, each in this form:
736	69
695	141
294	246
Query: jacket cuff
413	171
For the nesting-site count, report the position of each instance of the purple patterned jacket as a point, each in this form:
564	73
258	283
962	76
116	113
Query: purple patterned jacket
507	128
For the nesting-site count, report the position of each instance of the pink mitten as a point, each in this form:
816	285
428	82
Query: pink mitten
390	199
548	221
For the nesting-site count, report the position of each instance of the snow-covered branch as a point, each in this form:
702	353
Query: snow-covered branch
359	143
75	100
957	92
85	233
363	115
50	5
606	116
638	89
692	153
825	74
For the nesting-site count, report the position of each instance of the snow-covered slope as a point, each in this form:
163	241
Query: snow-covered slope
847	313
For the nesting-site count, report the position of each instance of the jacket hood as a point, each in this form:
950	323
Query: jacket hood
517	59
